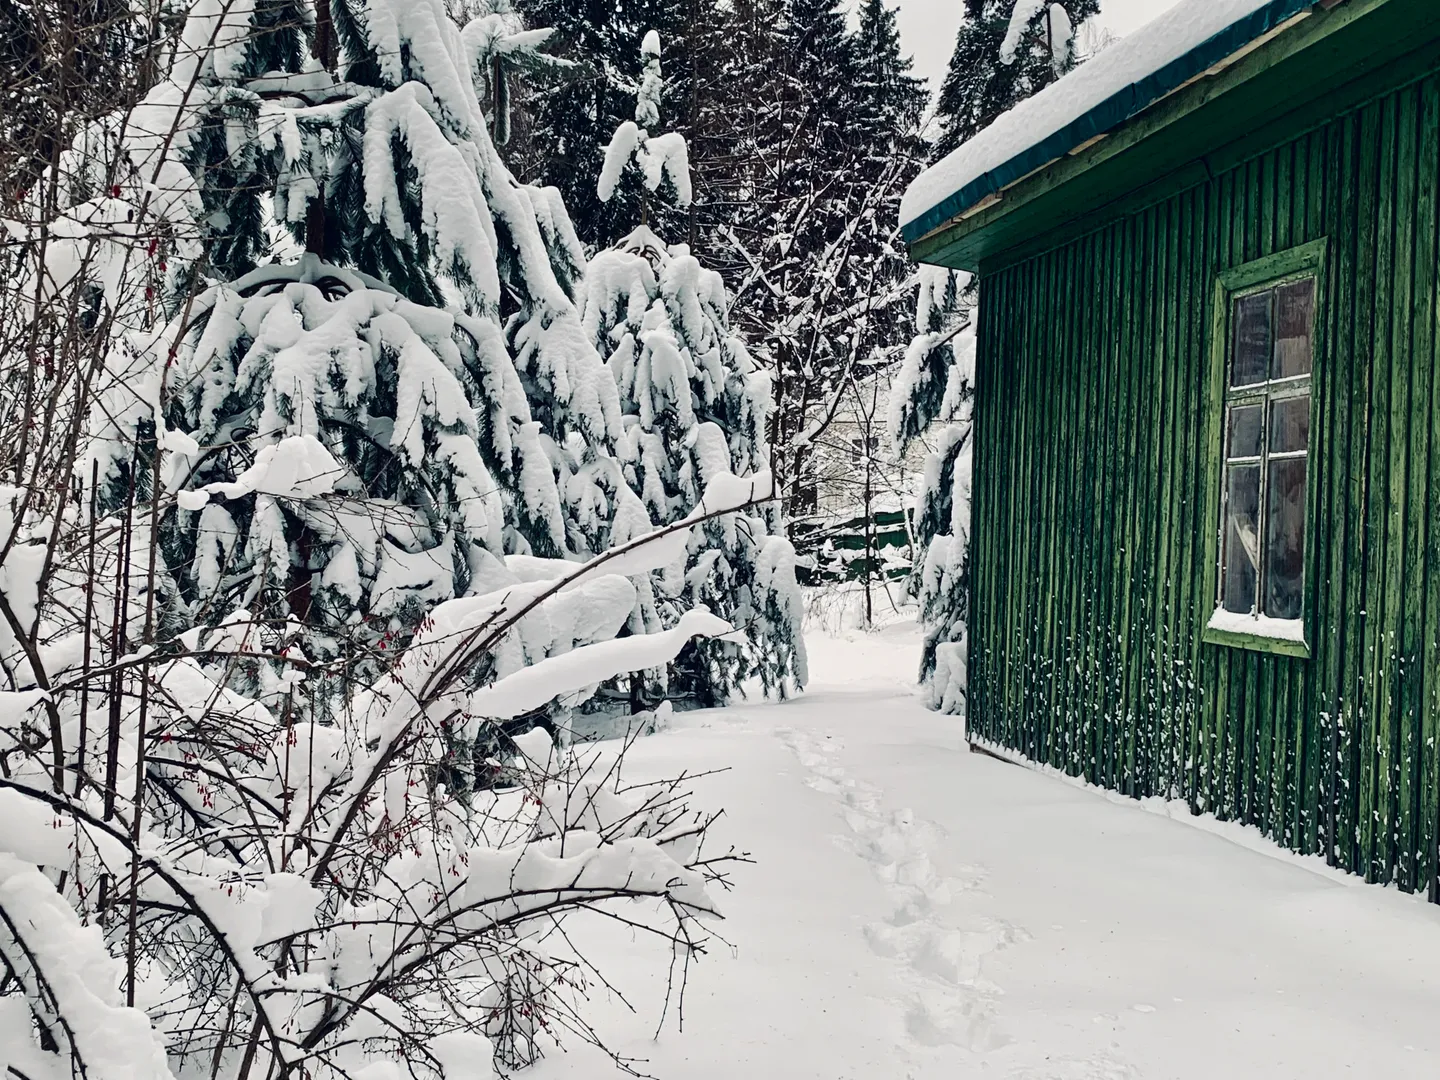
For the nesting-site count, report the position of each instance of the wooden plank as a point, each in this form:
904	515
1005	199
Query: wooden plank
1171	366
1196	524
1137	294
982	533
1096	421
1039	427
1316	702
1349	439
1374	200
1243	230
1402	604
1097	615
1427	354
1058	566
1349	435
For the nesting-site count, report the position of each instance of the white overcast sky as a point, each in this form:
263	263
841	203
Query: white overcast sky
928	27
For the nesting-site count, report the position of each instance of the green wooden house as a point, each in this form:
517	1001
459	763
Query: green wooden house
1206	518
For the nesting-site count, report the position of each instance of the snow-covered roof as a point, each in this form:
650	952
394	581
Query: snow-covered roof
1096	97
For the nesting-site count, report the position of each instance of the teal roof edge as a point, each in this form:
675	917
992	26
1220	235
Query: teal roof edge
1110	113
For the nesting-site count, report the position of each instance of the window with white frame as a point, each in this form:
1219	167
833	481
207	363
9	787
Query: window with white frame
1265	474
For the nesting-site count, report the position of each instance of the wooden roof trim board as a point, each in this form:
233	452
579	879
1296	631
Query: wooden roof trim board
1299	65
1130	83
989	200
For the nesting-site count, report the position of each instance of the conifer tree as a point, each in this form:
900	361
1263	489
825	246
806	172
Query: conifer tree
1005	51
695	407
570	126
936	385
890	103
890	98
365	431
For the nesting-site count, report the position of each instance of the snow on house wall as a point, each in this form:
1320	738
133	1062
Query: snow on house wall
1115	85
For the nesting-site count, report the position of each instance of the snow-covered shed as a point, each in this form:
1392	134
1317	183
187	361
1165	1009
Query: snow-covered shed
1206	518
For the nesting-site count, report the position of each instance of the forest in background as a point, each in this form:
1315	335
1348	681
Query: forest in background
805	125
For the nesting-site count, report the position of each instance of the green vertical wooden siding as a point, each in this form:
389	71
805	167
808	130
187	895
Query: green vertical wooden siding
1093	519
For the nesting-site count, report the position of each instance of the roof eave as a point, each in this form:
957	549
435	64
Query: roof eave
1291	64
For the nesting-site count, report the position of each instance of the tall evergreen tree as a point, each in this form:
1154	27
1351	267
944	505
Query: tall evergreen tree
695	407
935	385
368	430
994	68
890	98
568	127
890	104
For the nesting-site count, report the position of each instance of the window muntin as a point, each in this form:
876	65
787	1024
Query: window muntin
1265	474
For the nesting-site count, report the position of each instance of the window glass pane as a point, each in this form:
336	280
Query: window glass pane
1290	424
1242	538
1294	317
1246	424
1285	539
1250	362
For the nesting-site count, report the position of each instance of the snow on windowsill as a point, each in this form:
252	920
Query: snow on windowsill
1146	52
1258	626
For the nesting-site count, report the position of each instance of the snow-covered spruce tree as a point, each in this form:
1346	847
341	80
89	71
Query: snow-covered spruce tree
420	372
1005	51
889	102
569	127
891	99
695	407
936	386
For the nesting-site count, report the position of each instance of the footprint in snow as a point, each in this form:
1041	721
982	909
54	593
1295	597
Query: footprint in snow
1102	1067
950	1019
950	1004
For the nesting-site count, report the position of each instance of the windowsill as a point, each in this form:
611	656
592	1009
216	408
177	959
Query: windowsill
1259	633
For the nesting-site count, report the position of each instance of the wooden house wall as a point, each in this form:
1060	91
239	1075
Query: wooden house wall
1091	522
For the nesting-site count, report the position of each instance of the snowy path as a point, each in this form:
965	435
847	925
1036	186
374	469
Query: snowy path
917	911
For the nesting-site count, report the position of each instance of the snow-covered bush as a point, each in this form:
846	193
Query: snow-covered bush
195	880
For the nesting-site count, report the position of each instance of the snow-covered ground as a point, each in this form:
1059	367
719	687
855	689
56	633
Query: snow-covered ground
918	911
